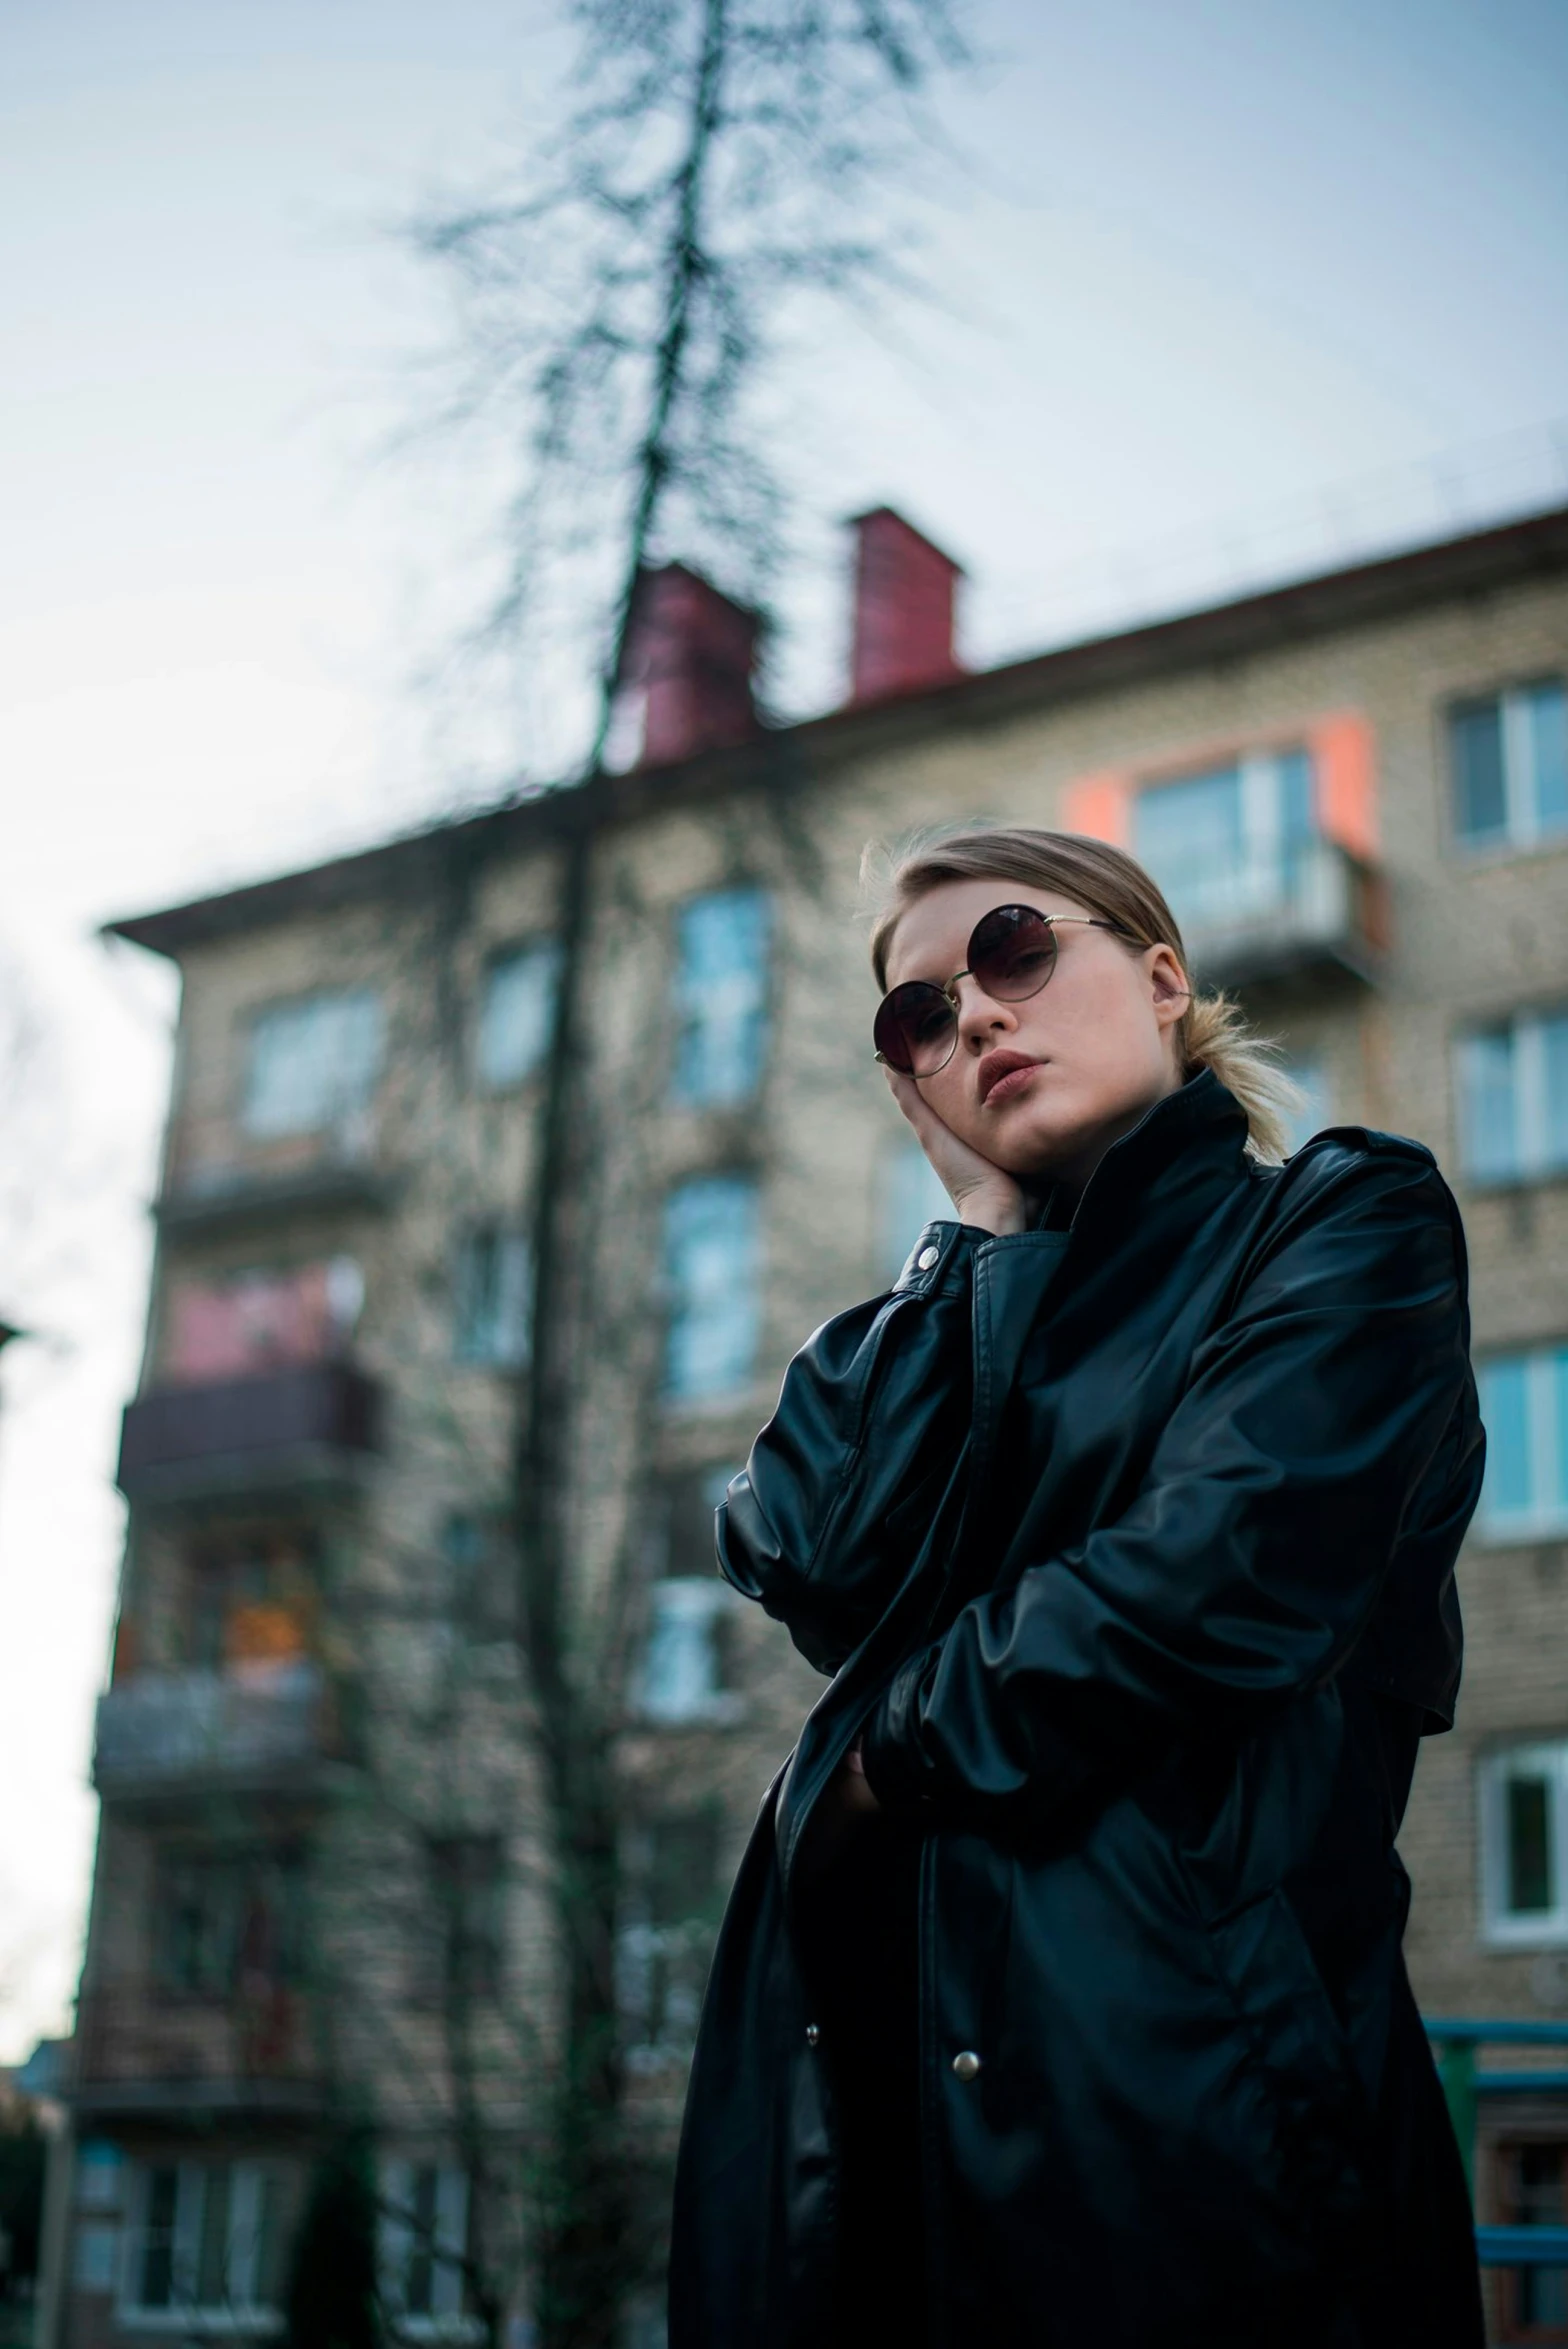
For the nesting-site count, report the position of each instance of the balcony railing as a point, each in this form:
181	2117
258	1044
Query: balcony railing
1457	2044
221	1181
1310	906
308	1423
264	1726
137	2051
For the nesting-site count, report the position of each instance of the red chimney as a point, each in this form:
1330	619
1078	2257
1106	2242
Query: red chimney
688	667
904	589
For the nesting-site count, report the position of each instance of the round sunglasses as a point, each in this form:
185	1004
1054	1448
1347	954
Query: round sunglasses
1012	952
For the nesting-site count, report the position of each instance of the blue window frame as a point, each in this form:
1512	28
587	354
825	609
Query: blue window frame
1524	1403
721	988
1513	1099
1509	759
711	1250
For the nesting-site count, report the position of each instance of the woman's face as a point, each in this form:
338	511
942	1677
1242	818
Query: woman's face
1044	1087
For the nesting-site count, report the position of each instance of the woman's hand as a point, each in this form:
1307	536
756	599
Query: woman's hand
981	1193
840	1809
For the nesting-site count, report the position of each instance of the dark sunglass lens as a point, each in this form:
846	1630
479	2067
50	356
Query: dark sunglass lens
1011	953
915	1028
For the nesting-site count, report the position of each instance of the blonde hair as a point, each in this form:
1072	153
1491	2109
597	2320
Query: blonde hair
1212	1032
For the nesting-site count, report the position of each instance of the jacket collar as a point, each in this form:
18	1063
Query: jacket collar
1202	1125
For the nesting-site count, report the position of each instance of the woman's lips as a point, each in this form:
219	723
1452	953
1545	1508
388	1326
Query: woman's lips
1004	1075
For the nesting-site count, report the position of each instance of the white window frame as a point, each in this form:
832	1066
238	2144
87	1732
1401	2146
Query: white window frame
243	2313
1543	1520
639	1948
1522	827
1526	1031
395	2241
343	1111
696	1604
1502	1928
1262	886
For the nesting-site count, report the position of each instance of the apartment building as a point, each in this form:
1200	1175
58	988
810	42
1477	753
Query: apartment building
312	1755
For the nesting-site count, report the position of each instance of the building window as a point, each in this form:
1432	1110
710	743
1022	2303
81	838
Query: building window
516	1013
224	1923
909	1196
684	1669
1513	1099
1524	1405
687	1667
312	1066
423	2241
666	1940
100	2174
251	1598
721	983
1532	2191
205	2240
1524	1845
1510	766
711	1244
1235	844
95	2256
262	1320
493	1298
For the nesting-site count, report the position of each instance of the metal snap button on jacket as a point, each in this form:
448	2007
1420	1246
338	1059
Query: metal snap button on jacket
812	2034
926	1258
966	2064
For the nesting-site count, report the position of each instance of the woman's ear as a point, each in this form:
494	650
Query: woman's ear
1169	988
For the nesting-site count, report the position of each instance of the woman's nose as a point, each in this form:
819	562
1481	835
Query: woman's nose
981	1019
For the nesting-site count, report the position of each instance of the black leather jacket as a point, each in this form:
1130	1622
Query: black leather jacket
1130	1551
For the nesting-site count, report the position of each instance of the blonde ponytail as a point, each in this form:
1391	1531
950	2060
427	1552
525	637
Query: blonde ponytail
1214	1034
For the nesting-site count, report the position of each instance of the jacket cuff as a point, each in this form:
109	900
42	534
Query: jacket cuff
889	1742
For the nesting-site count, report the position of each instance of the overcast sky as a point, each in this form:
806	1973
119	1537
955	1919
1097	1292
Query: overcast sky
1219	281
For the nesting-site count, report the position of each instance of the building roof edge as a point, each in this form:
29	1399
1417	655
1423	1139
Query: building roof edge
1318	604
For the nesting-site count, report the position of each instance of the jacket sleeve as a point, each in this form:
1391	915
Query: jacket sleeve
1247	1565
826	1518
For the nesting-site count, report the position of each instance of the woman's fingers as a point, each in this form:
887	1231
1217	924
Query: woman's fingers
956	1161
981	1193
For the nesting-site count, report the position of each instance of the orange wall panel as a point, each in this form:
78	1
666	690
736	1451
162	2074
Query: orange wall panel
1101	806
1345	781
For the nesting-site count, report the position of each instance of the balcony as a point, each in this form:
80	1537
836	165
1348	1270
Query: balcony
1312	910
252	1193
262	1729
140	2055
306	1424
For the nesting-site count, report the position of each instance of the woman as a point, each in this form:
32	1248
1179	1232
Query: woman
1060	1998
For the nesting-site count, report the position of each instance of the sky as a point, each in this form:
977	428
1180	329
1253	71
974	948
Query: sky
1236	286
